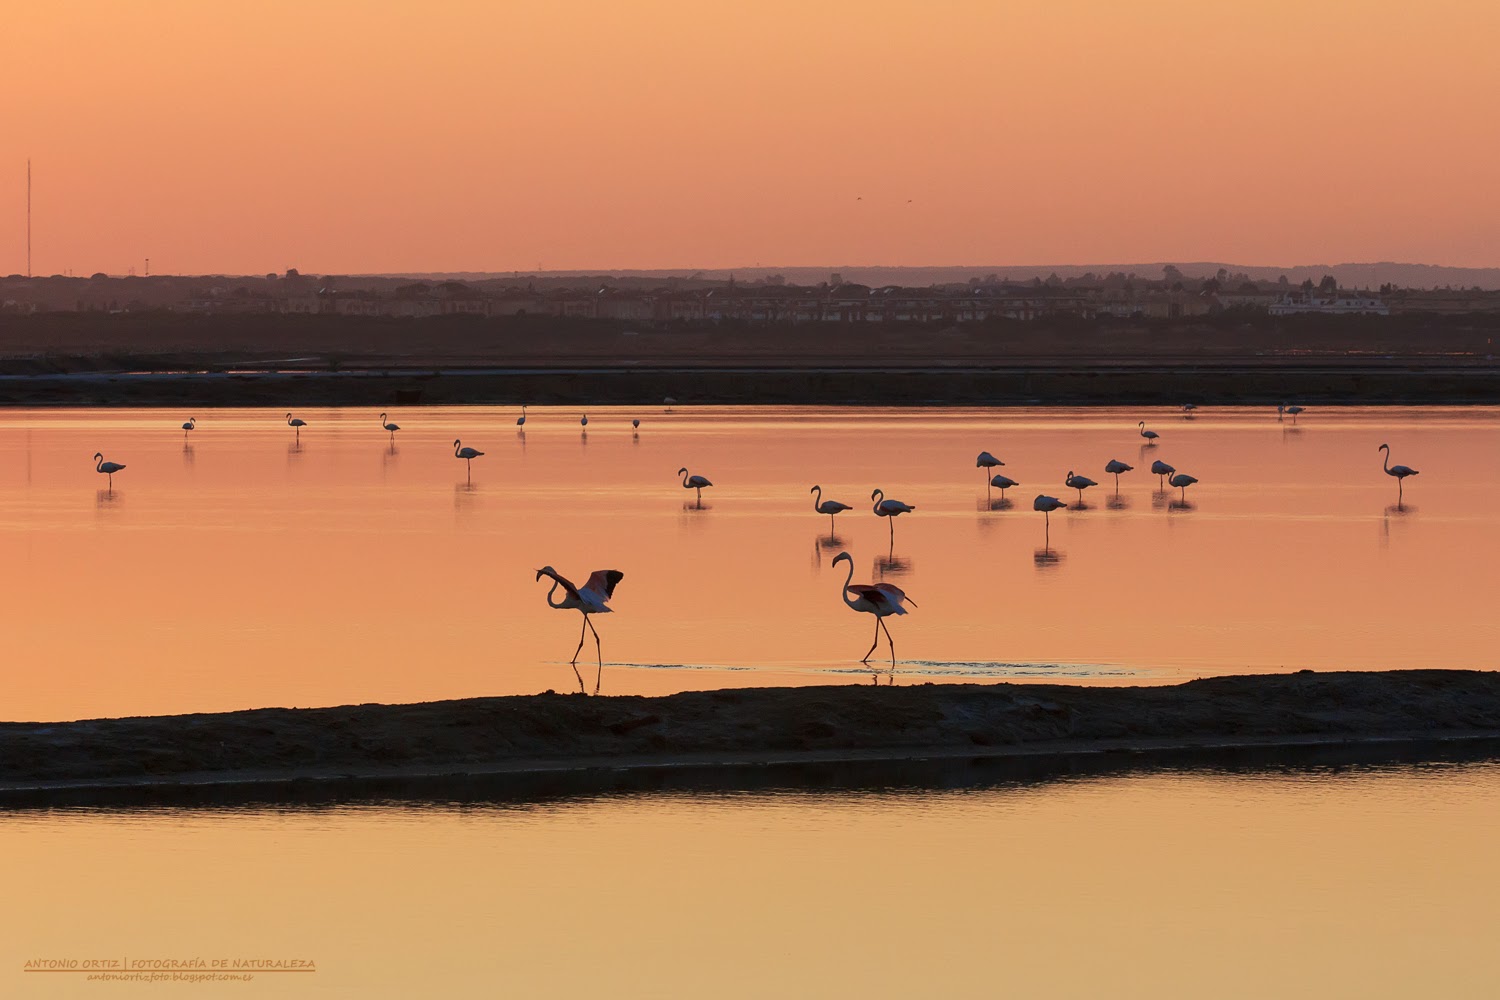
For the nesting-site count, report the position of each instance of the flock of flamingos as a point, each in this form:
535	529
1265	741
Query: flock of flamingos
881	599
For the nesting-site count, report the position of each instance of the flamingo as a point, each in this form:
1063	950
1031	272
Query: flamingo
591	599
1079	483
1160	469
1003	483
1116	467
986	461
1183	481
1290	411
635	423
191	425
668	403
879	600
1399	471
296	422
583	421
1150	436
1188	408
467	454
1047	505
829	507
693	483
393	428
888	508
110	468
521	420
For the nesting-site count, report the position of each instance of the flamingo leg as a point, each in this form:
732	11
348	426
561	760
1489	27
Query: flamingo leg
881	622
582	634
866	657
892	522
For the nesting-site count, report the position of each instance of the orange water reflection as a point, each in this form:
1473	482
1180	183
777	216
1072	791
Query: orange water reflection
1290	884
243	569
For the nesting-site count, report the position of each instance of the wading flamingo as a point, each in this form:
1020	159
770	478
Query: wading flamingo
888	508
591	599
110	468
1079	483
191	425
521	420
467	454
296	422
636	423
1399	471
1182	480
1047	505
387	425
1114	468
1003	483
1150	436
879	600
986	461
1160	469
829	507
1188	408
1291	411
693	482
583	421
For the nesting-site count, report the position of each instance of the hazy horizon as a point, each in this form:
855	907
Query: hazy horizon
339	138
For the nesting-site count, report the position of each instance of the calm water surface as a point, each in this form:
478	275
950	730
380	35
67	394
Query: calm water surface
237	568
1367	883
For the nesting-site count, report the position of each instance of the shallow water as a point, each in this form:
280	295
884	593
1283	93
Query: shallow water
237	568
1371	882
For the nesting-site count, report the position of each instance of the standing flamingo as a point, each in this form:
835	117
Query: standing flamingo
591	599
1399	471
1290	411
693	483
1182	480
1079	483
879	600
191	425
1047	505
1160	469
521	420
635	423
1116	467
296	422
387	425
1188	408
1150	436
110	468
467	454
986	461
829	507
1003	483
583	421
888	508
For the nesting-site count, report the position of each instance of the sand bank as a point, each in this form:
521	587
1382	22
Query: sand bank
540	740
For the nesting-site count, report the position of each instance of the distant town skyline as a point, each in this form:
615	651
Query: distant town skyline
457	137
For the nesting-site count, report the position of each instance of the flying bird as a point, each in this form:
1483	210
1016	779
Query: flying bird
829	507
387	425
1150	436
1160	469
1115	467
296	422
880	600
591	599
110	468
1079	483
1399	471
693	482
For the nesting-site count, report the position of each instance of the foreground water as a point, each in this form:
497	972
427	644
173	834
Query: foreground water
1374	882
237	567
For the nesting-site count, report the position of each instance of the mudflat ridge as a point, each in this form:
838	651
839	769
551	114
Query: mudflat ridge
743	726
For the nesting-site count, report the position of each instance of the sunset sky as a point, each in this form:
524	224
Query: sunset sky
384	136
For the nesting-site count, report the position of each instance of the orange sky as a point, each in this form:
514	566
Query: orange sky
367	136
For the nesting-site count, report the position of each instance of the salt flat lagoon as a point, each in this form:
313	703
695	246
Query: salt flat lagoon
1375	881
237	567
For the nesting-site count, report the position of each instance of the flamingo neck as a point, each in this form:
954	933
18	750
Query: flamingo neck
550	601
684	479
844	590
817	496
1386	462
